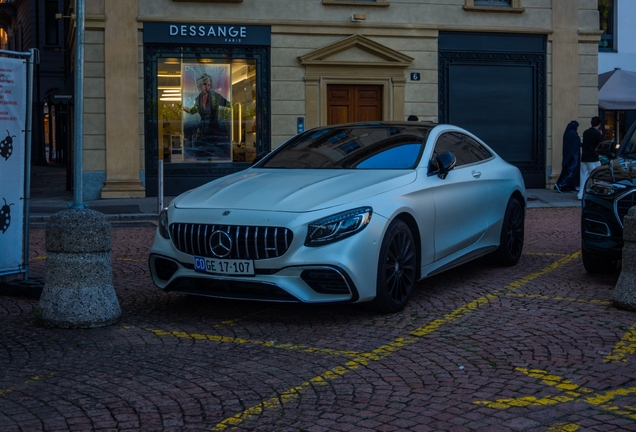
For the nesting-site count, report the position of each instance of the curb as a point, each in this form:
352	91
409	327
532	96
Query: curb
133	217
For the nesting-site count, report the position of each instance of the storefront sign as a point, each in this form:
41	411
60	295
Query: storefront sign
207	34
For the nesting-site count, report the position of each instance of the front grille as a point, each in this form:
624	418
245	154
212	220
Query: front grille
623	204
248	242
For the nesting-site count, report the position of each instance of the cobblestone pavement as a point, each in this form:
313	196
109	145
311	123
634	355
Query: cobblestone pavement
535	347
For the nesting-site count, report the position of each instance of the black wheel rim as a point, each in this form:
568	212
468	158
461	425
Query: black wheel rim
514	231
399	267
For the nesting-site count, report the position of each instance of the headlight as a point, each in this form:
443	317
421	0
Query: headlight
338	226
603	188
163	224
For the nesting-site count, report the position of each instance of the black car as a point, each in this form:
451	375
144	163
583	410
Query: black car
609	193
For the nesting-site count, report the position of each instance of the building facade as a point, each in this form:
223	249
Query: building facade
617	51
515	72
25	25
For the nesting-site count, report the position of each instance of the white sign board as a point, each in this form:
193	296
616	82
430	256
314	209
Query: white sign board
13	100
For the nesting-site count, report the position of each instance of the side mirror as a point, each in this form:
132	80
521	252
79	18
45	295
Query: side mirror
606	149
445	162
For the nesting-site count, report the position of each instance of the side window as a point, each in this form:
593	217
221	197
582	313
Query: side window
446	142
477	151
465	149
453	143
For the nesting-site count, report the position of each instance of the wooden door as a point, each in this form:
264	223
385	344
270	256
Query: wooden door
353	103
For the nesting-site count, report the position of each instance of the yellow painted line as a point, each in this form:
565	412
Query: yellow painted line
239	319
38	258
555	381
34	379
559	298
624	347
525	401
383	351
235	340
572	393
548	254
131	260
563	427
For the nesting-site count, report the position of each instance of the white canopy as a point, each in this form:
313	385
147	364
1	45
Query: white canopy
617	90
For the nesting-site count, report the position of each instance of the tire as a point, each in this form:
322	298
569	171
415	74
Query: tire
397	269
512	232
594	263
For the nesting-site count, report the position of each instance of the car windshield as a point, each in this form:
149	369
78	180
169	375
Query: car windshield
352	147
629	149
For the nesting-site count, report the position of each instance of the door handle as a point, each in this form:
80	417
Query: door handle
476	174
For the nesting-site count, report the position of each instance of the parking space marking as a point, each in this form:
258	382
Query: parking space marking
132	260
559	298
385	350
624	347
571	392
563	427
268	344
29	381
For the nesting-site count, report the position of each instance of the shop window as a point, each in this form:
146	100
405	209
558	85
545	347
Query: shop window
513	6
4	39
606	10
207	110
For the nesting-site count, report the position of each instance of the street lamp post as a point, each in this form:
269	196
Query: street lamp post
79	108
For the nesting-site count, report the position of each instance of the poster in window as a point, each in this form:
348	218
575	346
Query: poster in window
206	112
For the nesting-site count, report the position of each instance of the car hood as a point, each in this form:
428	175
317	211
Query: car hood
292	190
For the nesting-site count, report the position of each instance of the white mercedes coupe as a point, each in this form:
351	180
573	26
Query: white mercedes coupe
354	213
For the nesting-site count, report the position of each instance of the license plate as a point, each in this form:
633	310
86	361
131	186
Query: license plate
224	266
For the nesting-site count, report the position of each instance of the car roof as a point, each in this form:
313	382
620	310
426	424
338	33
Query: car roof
361	125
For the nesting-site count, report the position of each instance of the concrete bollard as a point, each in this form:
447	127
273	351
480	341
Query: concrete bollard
624	296
78	286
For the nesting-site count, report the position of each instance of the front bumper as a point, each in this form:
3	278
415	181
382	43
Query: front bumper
344	271
308	284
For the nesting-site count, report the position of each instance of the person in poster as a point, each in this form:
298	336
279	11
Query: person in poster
210	138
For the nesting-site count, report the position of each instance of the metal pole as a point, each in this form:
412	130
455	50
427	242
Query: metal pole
160	193
78	186
27	180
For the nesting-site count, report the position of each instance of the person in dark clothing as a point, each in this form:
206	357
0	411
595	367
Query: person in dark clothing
592	137
568	180
412	118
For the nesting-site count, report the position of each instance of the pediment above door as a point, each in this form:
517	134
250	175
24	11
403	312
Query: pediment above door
356	50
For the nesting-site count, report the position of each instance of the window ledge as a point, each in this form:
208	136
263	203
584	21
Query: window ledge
380	3
494	9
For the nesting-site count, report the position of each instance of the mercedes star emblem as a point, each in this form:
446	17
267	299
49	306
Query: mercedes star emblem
220	244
